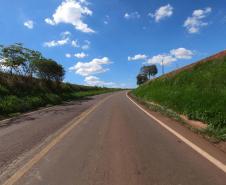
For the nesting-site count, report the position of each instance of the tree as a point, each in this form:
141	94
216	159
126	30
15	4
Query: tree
149	70
141	78
58	72
48	69
1	56
13	57
23	61
32	57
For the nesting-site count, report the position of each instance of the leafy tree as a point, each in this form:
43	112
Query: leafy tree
32	57
48	69
1	55
141	78
13	57
23	61
149	70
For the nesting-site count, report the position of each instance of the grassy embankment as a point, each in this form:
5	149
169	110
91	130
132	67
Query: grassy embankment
20	94
199	92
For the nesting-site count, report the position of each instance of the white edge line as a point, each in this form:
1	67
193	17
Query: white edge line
203	153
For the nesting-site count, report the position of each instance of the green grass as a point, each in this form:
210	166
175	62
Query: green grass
198	92
19	94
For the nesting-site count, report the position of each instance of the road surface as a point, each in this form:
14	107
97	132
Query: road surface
115	144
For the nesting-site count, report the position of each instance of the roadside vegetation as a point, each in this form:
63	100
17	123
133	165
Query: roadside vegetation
199	92
29	81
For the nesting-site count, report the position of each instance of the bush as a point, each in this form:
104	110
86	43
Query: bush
35	101
11	104
3	91
52	99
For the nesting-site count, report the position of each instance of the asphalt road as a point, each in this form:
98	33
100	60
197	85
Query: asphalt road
116	144
21	134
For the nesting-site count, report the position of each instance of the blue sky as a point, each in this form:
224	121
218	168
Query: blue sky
106	42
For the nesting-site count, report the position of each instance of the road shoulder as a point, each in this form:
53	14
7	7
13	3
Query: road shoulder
204	144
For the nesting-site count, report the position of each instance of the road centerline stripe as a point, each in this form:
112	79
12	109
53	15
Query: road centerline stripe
36	158
203	153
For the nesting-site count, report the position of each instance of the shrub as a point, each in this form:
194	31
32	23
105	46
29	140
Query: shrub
3	91
35	101
52	99
11	104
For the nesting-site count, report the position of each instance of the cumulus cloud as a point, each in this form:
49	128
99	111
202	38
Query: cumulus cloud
29	24
95	66
72	12
68	55
173	56
95	81
137	57
77	55
55	43
162	13
65	39
75	44
162	59
80	55
194	23
86	45
182	53
132	15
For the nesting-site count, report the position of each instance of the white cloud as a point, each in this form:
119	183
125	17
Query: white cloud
29	24
72	12
173	56
68	55
77	55
66	34
162	13
49	21
95	66
194	23
86	45
164	59
137	57
182	53
95	81
65	39
55	43
80	55
107	19
132	15
75	44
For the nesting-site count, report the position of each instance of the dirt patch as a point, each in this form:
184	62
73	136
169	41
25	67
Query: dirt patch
194	123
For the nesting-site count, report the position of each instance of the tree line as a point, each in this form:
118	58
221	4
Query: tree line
15	59
145	74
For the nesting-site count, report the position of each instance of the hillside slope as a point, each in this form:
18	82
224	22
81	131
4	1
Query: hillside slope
197	91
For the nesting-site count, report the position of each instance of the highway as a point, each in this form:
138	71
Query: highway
105	140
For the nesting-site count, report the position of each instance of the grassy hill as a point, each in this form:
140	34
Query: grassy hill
21	94
197	91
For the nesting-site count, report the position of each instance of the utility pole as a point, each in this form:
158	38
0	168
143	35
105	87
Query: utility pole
163	72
